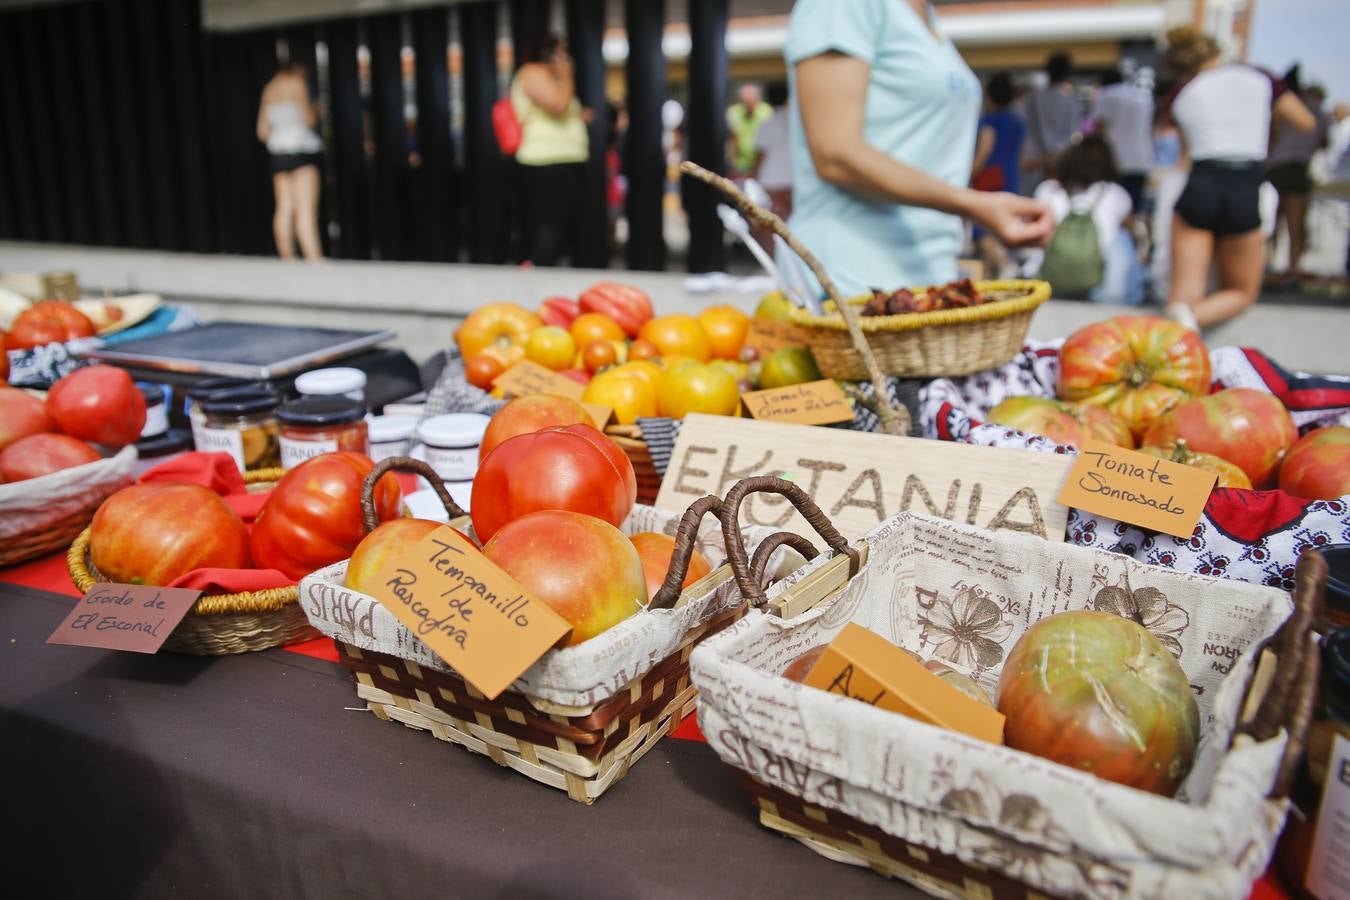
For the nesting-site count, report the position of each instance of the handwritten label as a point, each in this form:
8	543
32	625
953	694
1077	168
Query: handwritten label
814	403
525	378
768	335
599	413
860	479
1329	866
1142	490
471	613
134	617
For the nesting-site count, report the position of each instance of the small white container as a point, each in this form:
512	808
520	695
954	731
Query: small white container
450	444
342	380
390	435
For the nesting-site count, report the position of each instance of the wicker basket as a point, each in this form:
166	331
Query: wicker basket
943	342
629	439
64	510
221	624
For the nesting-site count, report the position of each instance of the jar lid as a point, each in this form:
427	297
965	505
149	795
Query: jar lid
453	430
312	411
391	428
203	389
325	382
240	402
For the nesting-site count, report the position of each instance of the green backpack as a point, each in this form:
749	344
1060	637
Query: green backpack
1073	261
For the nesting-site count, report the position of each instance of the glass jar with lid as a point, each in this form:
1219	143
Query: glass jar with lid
243	423
312	426
450	444
343	381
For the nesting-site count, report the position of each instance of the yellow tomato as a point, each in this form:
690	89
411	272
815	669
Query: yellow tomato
497	325
696	387
551	347
678	335
590	327
627	393
726	327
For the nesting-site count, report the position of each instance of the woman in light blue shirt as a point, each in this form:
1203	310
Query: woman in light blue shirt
883	135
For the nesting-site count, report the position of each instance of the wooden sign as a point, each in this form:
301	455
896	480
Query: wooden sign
1153	493
768	335
814	403
860	479
134	617
525	378
471	613
599	413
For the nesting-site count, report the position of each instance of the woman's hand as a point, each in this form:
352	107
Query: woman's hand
1015	220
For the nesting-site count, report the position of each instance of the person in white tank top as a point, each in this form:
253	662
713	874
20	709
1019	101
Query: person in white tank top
286	125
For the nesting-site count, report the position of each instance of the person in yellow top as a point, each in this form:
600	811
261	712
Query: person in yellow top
744	119
554	145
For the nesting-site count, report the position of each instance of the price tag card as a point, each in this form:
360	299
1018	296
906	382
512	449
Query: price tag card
768	335
471	613
1153	493
525	378
814	403
134	617
599	413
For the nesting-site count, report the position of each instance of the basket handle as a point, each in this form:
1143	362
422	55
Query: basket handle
1289	701
736	555
685	536
402	464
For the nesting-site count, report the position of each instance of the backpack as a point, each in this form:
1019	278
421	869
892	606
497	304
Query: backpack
1073	261
506	126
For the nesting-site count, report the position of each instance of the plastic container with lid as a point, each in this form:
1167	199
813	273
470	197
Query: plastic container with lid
312	426
390	435
156	408
450	444
243	423
203	389
338	381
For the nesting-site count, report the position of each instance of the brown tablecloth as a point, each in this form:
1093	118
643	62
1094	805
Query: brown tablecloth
262	775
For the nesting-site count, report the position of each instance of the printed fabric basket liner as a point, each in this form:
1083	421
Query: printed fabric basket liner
579	717
963	818
42	515
941	342
220	624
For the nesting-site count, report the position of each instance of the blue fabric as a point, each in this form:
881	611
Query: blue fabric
1009	133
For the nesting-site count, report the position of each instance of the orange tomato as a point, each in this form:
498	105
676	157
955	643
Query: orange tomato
629	394
495	325
727	327
641	349
482	370
598	354
697	387
551	347
589	327
678	335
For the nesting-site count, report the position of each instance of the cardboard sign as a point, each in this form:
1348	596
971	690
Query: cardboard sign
860	479
1329	866
1153	493
863	665
525	378
471	613
768	335
135	617
814	403
599	413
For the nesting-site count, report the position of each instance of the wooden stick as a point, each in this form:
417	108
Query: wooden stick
892	421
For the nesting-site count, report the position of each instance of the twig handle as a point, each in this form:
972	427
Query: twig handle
371	519
685	537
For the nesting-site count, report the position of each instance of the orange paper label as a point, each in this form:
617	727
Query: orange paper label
599	413
768	335
471	613
814	403
1153	493
525	378
135	617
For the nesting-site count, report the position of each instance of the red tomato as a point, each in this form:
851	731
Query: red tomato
625	304
559	311
1318	466
42	454
1136	366
48	322
1063	423
1247	427
313	517
1229	475
379	548
100	404
529	414
573	467
156	533
583	568
655	550
1096	692
21	414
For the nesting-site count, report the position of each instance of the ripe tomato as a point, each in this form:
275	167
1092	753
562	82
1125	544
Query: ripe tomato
100	404
481	370
313	517
590	327
631	395
497	324
1094	691
1063	423
1247	427
582	567
381	546
573	467
21	414
156	533
559	311
598	354
42	454
551	347
697	387
48	322
1230	476
678	335
788	365
655	550
528	414
1138	367
625	304
727	327
1318	466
